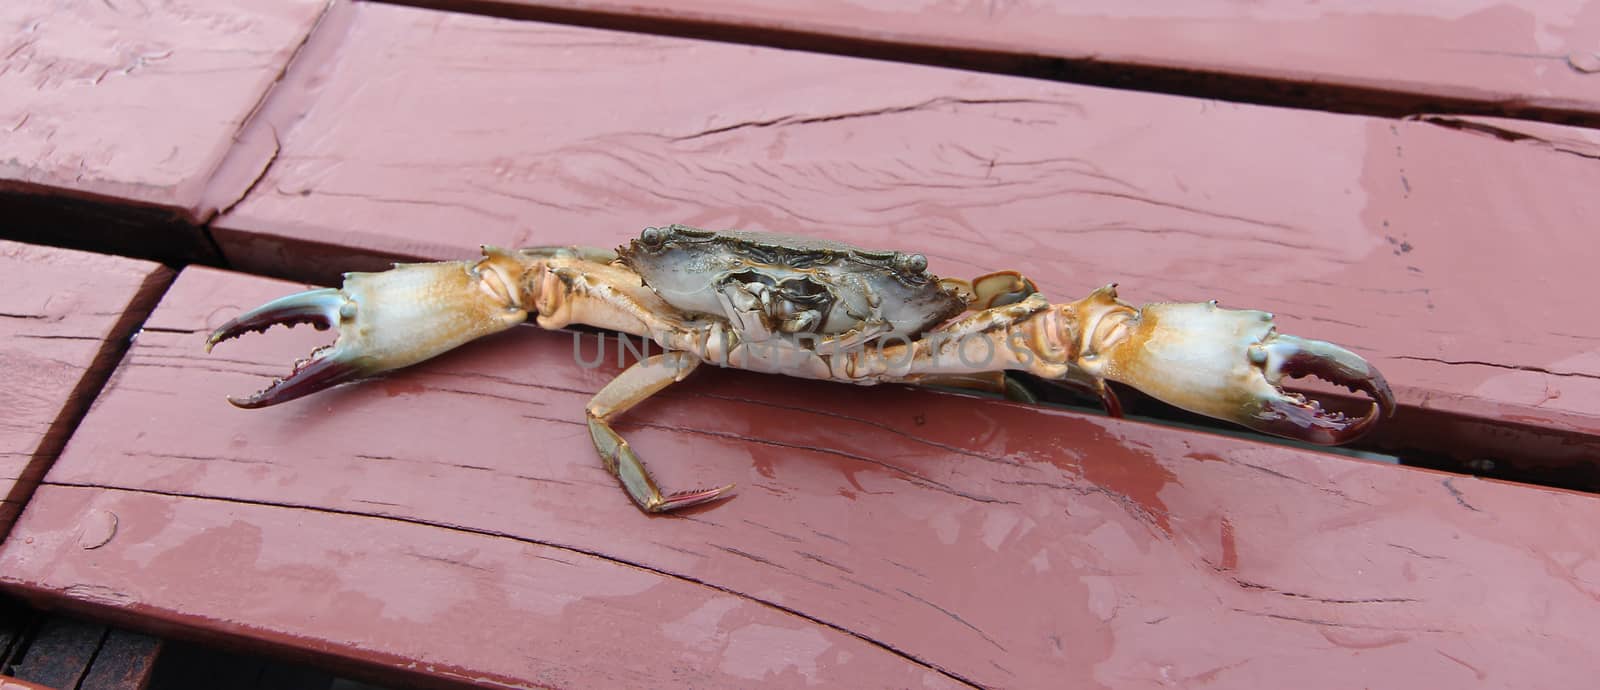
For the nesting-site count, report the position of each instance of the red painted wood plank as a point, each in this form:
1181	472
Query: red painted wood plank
14	684
64	317
140	104
1536	58
430	600
1006	545
1457	262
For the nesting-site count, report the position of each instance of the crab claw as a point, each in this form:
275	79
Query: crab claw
1291	414
1229	364
386	320
323	369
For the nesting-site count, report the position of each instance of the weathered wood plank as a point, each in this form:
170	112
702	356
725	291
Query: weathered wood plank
1005	545
489	610
1534	59
64	318
1457	262
64	652
126	661
60	653
14	684
141	105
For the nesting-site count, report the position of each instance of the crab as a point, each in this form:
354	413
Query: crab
815	309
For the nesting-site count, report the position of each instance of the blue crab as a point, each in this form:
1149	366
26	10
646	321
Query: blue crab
814	309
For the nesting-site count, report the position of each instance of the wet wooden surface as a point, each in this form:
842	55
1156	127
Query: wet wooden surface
138	107
1537	58
64	316
886	536
1442	254
450	525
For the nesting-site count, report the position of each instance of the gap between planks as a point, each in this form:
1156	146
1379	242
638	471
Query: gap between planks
1219	84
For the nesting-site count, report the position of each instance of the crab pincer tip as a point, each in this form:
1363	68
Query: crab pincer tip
321	372
325	368
319	308
1293	416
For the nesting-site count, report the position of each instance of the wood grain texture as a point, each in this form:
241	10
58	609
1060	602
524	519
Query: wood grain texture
60	653
138	102
1532	58
1457	262
64	318
454	516
126	661
39	650
461	606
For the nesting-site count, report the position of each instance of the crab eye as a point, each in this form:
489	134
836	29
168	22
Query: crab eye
653	237
911	263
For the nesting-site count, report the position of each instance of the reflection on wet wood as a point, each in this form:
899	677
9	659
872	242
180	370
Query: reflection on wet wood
884	532
1362	231
452	521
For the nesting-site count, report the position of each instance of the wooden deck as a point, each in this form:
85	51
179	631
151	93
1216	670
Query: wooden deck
1533	59
55	651
64	324
448	526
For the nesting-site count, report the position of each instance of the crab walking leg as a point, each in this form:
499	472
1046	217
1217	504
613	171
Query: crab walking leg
974	344
994	289
992	382
1018	335
631	387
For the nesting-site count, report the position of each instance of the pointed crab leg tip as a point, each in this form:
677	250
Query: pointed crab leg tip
687	499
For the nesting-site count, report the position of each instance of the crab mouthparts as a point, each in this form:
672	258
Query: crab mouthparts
325	367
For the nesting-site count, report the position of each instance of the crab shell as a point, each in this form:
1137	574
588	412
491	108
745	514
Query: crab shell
849	287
